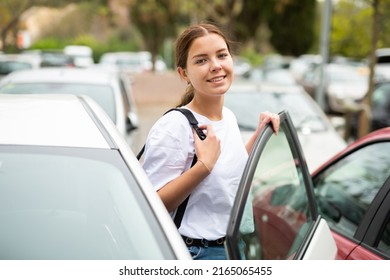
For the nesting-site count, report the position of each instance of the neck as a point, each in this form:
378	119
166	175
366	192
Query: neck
211	109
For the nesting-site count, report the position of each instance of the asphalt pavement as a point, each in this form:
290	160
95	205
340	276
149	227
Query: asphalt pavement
154	94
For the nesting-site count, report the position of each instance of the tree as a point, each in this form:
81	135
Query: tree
345	37
10	12
365	120
156	20
292	26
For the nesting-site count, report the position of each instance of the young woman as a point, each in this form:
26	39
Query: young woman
204	61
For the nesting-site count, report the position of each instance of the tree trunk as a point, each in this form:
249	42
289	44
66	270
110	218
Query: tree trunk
365	115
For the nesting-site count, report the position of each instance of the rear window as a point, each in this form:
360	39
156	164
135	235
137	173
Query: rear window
103	95
7	67
383	59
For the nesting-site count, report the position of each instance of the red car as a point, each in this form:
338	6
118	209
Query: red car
350	191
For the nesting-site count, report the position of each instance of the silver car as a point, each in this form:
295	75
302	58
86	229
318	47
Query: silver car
71	189
110	89
318	137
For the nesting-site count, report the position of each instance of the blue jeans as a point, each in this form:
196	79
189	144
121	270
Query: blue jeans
213	253
208	253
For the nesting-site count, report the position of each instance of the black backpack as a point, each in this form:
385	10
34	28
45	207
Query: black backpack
194	123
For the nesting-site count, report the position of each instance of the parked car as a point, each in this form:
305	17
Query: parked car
380	108
51	57
303	63
71	188
343	85
351	190
382	66
56	59
241	66
273	78
81	55
132	62
318	137
110	89
15	62
381	105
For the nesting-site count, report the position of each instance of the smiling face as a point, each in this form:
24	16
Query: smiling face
209	66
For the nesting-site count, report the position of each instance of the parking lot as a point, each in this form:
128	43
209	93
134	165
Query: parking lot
154	94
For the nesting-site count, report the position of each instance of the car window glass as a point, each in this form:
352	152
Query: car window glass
103	95
381	97
280	217
247	105
7	67
74	204
384	242
345	190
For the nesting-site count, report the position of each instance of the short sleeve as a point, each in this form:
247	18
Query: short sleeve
168	149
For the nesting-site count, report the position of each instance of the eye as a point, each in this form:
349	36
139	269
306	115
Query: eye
200	61
223	55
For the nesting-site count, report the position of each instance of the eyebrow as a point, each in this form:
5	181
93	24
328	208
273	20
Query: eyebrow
203	55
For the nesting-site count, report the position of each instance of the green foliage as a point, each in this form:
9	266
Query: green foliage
292	26
351	30
49	43
98	48
255	58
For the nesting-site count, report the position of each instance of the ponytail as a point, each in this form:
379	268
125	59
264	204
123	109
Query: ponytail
187	96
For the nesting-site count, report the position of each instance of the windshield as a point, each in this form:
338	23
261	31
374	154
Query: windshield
7	67
346	74
61	203
103	95
248	105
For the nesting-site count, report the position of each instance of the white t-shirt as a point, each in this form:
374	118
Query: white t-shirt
169	152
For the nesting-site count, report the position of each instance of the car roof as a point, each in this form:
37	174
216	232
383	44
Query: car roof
49	120
61	75
379	135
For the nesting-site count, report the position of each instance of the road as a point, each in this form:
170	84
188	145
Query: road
154	94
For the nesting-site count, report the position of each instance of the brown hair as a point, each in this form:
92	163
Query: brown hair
183	44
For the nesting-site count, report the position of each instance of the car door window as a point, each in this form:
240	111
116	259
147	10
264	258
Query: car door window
384	242
279	212
345	190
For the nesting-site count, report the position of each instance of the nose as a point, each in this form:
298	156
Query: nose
215	65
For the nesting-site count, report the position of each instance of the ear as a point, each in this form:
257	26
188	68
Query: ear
182	74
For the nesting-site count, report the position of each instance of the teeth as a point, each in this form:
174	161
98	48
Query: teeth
217	79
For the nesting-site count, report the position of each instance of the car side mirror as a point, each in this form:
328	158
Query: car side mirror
132	122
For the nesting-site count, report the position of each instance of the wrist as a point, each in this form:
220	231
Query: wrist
205	165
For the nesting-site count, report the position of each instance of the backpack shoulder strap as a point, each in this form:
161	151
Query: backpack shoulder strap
194	123
191	119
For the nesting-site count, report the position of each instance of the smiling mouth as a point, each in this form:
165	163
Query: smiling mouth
217	79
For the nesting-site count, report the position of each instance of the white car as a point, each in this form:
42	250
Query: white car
16	62
382	66
132	62
72	189
344	85
82	55
110	89
318	137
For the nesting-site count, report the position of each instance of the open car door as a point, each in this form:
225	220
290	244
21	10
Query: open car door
275	214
